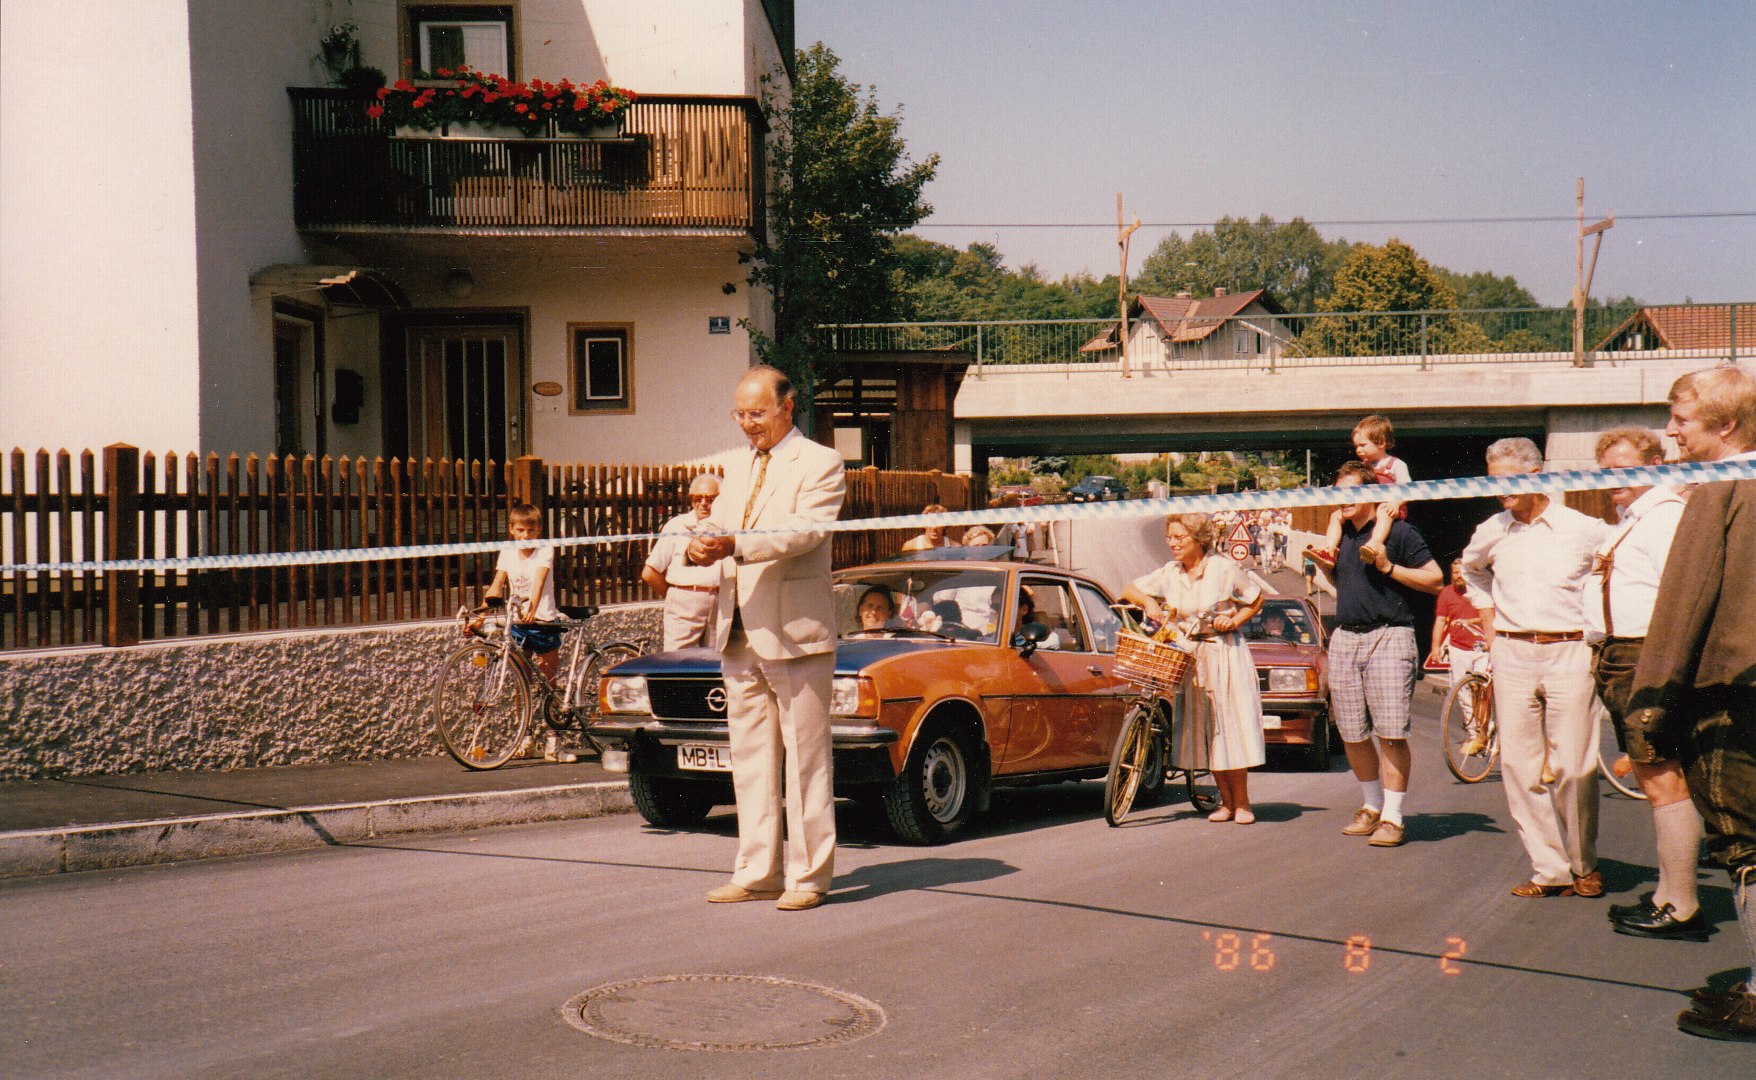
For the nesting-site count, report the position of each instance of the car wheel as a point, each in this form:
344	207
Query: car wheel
664	800
935	794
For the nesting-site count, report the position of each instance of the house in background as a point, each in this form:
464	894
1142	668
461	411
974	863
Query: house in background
1172	331
237	259
1703	328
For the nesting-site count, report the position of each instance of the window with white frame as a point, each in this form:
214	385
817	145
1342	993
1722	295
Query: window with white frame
1243	341
601	370
452	36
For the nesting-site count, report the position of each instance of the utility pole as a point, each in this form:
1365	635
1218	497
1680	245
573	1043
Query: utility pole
1581	276
1122	235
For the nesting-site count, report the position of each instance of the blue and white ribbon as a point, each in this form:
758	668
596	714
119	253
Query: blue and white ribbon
1418	491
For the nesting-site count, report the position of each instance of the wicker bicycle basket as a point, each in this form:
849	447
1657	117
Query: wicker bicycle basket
1156	665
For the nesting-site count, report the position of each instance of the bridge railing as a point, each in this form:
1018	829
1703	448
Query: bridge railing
1264	341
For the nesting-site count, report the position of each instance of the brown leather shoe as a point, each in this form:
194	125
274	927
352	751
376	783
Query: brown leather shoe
1387	834
1590	886
1532	889
737	894
1365	823
1734	1020
799	900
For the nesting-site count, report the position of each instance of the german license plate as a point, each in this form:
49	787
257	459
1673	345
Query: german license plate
704	757
1270	723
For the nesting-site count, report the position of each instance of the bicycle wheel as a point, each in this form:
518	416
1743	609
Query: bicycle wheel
1129	762
1609	755
582	694
481	706
1203	794
1467	724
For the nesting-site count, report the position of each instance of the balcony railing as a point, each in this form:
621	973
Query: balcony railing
681	163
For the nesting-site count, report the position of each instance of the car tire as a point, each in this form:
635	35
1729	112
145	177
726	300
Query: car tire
934	796
665	800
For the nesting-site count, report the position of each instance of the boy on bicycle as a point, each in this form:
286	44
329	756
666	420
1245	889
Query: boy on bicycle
528	572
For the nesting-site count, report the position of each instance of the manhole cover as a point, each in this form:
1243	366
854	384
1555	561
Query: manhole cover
722	1012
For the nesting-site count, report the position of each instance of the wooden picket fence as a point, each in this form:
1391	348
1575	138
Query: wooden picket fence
141	506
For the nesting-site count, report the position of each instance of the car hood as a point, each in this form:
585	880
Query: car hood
851	657
1283	654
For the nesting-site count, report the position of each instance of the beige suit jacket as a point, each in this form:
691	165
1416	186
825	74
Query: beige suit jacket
780	581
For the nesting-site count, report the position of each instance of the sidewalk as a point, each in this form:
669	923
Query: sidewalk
102	822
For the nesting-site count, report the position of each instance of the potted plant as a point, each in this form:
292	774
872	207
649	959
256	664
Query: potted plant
339	50
465	103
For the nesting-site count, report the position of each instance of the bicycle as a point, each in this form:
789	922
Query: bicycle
488	690
1472	736
1140	765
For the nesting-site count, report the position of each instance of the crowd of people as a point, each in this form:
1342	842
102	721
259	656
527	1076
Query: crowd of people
1652	618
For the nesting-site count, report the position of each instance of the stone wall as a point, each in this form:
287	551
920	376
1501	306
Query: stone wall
235	702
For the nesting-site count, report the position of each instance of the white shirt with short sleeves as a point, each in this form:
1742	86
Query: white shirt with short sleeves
521	573
668	555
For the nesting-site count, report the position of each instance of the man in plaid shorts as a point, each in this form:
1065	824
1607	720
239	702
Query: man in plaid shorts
1372	656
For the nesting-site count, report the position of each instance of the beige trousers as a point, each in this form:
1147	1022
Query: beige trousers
687	615
779	718
1544	693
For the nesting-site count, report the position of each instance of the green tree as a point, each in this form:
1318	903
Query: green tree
1388	278
842	186
1292	261
1486	291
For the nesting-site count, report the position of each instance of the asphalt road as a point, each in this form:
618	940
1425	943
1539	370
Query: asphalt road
1044	944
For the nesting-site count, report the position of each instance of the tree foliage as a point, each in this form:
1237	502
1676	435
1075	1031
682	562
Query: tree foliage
939	283
843	185
1292	261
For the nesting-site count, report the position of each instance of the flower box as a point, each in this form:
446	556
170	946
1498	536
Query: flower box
465	103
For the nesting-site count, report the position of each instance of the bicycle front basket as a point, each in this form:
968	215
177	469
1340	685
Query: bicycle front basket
1156	665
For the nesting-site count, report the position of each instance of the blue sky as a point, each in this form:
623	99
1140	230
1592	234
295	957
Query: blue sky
1332	111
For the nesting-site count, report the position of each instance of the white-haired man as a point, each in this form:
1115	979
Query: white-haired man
690	592
1526	568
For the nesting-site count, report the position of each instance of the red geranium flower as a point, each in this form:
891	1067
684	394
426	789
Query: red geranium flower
374	111
404	85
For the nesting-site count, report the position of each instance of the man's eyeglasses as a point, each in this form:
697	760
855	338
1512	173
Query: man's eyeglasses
701	499
752	416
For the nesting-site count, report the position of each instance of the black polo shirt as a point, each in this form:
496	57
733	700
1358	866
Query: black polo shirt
1366	599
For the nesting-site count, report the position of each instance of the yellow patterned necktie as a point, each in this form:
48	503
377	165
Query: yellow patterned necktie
755	488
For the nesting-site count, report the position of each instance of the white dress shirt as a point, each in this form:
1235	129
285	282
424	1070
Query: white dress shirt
1637	549
1533	576
668	553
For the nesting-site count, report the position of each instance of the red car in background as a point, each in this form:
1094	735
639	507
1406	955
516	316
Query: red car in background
1292	673
1027	495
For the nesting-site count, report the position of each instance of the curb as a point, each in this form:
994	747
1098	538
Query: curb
76	848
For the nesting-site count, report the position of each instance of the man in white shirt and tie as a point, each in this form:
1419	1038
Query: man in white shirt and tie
1526	568
775	629
1618	607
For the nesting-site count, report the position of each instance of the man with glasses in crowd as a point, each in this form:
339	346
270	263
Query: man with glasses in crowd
774	626
690	592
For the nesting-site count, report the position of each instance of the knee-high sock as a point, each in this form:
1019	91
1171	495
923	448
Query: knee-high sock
1678	829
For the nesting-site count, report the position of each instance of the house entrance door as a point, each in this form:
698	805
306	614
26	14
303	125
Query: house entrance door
458	400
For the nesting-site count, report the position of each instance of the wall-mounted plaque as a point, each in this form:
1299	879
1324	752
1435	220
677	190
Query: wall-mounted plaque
547	389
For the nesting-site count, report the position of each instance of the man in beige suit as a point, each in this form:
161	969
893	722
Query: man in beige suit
775	629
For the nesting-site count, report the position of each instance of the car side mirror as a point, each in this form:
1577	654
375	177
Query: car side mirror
1029	636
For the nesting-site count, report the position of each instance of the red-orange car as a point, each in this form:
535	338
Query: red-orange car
933	705
1292	673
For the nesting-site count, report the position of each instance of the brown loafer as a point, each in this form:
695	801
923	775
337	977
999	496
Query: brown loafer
1532	889
737	894
798	900
1387	834
1590	886
1365	823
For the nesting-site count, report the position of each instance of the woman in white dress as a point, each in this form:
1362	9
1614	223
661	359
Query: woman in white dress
1218	722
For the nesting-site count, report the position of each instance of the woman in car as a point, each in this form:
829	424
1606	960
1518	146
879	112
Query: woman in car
877	609
1218	708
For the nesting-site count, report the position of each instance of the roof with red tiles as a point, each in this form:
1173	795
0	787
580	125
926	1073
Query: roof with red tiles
1183	319
1690	326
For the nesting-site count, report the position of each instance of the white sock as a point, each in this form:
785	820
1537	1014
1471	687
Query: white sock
1678	829
1393	807
1372	791
1745	898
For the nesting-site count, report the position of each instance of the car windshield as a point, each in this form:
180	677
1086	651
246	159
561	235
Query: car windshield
958	604
1281	620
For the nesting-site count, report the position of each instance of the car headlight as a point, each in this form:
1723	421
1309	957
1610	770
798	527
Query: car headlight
853	695
1291	680
623	694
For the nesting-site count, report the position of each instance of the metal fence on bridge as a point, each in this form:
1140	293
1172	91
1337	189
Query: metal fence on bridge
1269	341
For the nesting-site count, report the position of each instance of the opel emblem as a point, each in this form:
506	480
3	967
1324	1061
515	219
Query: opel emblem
716	699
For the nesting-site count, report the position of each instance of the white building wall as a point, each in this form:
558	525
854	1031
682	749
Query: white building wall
244	54
669	46
98	311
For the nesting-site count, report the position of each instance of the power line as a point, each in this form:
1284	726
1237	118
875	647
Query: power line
1334	222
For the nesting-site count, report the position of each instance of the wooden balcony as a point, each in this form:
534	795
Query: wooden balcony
684	164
